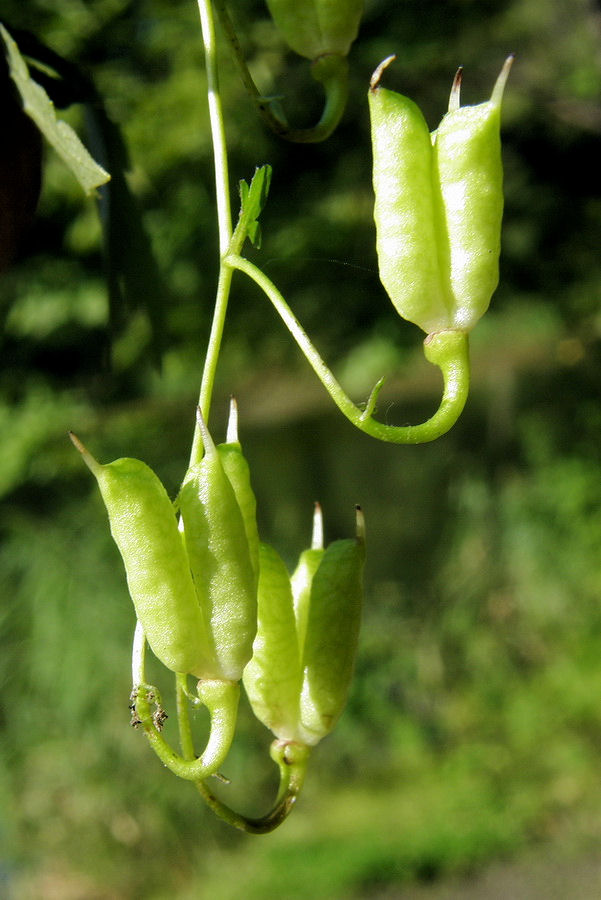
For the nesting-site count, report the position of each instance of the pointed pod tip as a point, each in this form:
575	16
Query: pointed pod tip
497	92
207	440
375	78
232	423
76	442
317	533
360	524
455	96
92	464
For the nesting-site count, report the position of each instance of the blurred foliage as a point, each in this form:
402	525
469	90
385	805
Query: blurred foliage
473	728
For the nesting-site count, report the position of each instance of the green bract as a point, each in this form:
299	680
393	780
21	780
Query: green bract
438	206
313	28
194	587
298	678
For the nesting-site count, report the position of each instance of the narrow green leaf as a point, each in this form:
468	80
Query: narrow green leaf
252	201
39	107
259	188
254	234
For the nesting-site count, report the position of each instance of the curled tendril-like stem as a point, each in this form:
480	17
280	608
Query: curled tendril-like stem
221	699
330	70
291	759
449	350
147	712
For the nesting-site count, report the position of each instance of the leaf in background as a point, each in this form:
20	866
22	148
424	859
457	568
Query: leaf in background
252	201
20	170
40	108
133	275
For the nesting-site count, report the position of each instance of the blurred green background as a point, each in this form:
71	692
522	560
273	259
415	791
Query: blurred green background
473	732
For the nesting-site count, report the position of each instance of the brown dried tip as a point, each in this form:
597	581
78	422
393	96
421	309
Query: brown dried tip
375	78
455	97
87	457
360	523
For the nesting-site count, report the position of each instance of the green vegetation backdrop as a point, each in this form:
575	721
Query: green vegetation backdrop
474	726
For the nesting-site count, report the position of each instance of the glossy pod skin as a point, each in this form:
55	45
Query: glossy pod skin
299	676
438	206
331	638
220	561
194	586
301	583
404	212
468	167
313	28
237	471
144	527
273	677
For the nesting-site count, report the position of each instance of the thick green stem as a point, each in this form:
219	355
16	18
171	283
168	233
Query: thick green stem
291	759
330	70
449	350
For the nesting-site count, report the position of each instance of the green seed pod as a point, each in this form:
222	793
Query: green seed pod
406	233
273	677
439	204
237	470
332	635
469	170
220	561
298	678
144	527
302	578
313	28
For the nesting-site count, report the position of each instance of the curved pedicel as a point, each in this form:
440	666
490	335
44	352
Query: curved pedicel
325	47
448	350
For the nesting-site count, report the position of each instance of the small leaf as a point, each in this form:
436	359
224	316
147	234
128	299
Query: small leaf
254	234
252	201
40	109
259	188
